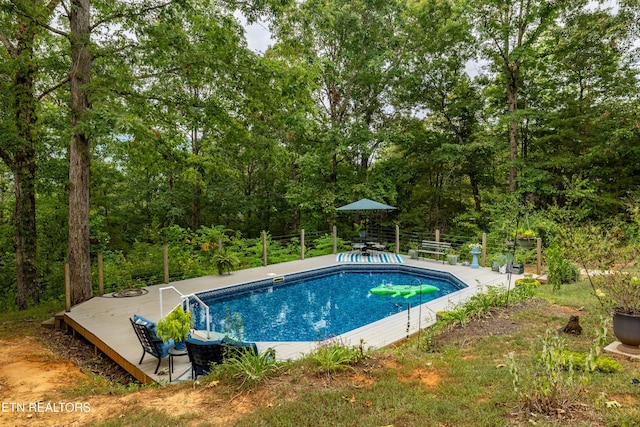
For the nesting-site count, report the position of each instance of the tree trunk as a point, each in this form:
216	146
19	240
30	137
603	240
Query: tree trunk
25	232
22	163
512	99
79	154
196	204
475	190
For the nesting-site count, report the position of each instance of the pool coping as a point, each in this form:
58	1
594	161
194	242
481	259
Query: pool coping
103	321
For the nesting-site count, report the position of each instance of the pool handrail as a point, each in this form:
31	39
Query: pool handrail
185	298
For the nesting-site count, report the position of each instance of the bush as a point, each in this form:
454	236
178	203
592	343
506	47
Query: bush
333	356
558	376
248	368
560	269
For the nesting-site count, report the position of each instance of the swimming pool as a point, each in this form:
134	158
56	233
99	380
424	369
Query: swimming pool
316	304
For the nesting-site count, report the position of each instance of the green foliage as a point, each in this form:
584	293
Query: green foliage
233	326
577	360
558	375
526	287
240	140
608	256
560	269
176	325
248	368
525	233
225	261
332	356
477	307
323	245
551	382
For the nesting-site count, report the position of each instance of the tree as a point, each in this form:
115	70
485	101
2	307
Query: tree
508	30
19	128
79	36
352	47
582	100
440	45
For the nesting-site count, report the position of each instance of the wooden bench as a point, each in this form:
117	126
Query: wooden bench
435	248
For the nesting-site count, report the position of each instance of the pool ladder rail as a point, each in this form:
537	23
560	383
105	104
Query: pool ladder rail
185	301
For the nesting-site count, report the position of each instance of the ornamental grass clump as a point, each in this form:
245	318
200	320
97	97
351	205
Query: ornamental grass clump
249	368
332	355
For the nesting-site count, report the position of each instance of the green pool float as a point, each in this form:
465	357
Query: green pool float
407	291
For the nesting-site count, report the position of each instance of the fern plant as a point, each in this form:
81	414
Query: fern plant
225	261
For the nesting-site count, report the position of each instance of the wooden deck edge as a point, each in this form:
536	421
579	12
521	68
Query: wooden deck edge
132	369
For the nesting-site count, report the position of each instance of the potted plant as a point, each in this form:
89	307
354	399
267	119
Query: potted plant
515	266
175	326
413	250
526	238
498	262
225	261
527	280
452	257
608	264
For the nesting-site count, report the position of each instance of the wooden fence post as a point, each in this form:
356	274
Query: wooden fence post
166	264
438	241
100	275
67	288
484	249
302	244
335	239
539	265
264	248
397	239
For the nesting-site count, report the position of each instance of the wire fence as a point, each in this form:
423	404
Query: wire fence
151	264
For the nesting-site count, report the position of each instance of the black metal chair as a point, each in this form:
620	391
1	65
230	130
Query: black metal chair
202	354
150	343
235	348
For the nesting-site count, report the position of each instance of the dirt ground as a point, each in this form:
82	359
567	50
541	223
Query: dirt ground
38	376
38	372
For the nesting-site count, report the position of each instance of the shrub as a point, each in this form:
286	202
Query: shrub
558	375
249	368
560	269
551	383
333	356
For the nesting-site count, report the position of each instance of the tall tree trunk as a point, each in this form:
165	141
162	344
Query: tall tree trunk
196	201
512	99
196	205
475	190
21	160
79	153
25	230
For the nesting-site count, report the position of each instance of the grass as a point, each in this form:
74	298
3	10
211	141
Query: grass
471	384
463	383
27	322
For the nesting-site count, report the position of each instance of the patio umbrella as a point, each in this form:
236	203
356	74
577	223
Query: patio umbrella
366	205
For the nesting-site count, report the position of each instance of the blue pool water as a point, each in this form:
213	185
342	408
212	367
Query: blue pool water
318	304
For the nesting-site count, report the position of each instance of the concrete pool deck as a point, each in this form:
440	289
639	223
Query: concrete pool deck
104	321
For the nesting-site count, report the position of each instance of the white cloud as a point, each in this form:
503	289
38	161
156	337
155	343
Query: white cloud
257	34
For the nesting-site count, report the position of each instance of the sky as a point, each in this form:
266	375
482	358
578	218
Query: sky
258	35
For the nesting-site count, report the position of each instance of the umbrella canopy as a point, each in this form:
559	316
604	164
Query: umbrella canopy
365	205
